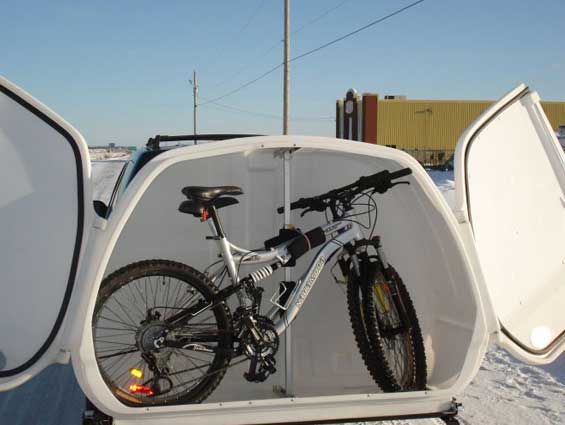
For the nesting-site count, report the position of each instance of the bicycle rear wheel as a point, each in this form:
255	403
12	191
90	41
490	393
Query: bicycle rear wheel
132	309
394	355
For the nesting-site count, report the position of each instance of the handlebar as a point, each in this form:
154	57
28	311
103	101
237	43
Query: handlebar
400	173
379	182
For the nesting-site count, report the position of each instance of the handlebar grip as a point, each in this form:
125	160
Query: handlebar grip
400	173
301	203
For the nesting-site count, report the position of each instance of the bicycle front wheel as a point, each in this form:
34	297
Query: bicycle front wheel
393	352
132	309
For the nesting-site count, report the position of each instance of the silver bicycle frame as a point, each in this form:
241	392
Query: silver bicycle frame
337	233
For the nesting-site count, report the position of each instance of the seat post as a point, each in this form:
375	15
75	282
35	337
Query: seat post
216	220
225	248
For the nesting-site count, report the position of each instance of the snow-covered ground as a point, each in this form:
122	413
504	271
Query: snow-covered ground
98	154
104	174
504	392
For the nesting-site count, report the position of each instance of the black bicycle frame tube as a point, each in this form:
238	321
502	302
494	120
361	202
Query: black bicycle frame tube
203	305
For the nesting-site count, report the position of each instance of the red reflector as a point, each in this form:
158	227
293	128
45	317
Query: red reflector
140	389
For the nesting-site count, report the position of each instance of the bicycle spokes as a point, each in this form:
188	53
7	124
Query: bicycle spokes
139	353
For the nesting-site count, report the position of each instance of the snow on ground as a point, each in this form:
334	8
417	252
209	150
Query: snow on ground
444	180
109	154
504	392
104	174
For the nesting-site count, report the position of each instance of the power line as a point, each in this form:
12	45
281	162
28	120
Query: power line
260	77
242	29
319	17
251	17
223	106
358	30
317	49
273	46
244	67
227	108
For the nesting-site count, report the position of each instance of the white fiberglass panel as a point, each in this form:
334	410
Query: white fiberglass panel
41	226
515	196
325	357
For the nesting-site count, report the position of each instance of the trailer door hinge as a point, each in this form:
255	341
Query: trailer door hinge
450	416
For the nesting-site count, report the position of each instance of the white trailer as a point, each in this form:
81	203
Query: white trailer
490	270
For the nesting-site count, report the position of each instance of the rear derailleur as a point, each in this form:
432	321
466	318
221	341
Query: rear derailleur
158	364
259	342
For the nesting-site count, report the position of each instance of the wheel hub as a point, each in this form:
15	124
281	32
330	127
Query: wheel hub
150	335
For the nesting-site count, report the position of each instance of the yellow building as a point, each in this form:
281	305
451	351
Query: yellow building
427	129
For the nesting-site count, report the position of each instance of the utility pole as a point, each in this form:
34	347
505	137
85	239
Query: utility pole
286	64
194	83
288	380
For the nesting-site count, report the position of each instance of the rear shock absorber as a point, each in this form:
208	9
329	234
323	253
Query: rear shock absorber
257	276
263	273
253	278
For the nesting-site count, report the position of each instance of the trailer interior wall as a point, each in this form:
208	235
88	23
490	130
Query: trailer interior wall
325	356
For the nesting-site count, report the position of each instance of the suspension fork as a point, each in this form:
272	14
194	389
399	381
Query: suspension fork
388	275
395	294
344	265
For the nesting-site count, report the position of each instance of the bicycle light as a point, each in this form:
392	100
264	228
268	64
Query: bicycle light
140	389
137	373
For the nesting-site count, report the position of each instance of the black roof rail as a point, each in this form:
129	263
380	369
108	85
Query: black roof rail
155	142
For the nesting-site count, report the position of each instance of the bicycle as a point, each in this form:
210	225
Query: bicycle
165	334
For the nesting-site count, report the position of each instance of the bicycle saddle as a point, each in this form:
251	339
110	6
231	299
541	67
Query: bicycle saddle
205	193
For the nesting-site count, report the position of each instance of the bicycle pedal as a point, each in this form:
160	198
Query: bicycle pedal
251	377
259	376
261	369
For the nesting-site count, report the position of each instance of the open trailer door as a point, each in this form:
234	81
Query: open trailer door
45	207
510	188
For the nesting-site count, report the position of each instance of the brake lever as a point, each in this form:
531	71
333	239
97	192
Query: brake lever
306	211
382	190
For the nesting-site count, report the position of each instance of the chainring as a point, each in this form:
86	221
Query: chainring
262	354
269	335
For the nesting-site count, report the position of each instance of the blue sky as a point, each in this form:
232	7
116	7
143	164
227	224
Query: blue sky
119	70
